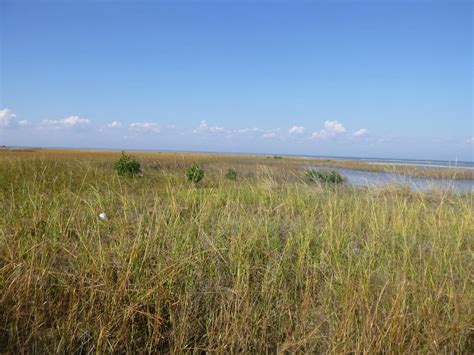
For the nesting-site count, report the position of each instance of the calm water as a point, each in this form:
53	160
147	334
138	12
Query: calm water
378	179
428	164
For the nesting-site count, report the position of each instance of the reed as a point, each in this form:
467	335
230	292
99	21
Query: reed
266	263
451	173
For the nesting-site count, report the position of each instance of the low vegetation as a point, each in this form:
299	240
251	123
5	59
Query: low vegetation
332	177
195	173
268	264
231	174
127	165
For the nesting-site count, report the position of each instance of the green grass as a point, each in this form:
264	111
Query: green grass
330	177
267	263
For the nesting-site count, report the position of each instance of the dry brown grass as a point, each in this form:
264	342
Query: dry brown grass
266	263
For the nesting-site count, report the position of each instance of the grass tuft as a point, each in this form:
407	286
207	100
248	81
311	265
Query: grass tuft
269	264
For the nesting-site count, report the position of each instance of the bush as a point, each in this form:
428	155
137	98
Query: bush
231	174
277	157
194	173
127	165
332	177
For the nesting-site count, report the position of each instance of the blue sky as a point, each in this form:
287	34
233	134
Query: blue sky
342	78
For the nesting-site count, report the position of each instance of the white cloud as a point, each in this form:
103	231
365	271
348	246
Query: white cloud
296	130
114	124
361	132
24	123
334	127
216	129
269	135
145	126
205	128
470	140
7	118
317	135
272	134
249	131
331	129
68	122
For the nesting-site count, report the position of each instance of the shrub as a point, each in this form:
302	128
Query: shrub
277	157
231	174
127	165
332	177
194	173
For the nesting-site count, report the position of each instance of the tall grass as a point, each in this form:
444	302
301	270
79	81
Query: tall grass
449	173
268	263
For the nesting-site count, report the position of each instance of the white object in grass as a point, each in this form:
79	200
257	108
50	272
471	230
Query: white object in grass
103	216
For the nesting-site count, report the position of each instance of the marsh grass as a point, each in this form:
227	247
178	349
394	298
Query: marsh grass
331	177
268	263
451	173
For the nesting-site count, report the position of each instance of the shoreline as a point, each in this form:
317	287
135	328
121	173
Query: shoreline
291	162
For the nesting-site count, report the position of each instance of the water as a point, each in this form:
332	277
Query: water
425	164
429	164
362	178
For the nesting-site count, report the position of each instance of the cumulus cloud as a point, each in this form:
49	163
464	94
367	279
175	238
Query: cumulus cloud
334	127
269	135
205	128
318	135
8	119
331	129
24	123
272	134
361	132
68	122
470	140
249	131
145	126
114	124
296	130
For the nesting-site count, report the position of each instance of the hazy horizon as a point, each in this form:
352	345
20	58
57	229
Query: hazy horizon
270	154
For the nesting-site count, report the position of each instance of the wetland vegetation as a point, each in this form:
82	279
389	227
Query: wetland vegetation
264	262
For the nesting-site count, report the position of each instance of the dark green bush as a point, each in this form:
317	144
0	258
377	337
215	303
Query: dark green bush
277	157
332	177
231	174
194	173
127	165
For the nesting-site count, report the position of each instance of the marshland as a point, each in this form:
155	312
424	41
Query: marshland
259	260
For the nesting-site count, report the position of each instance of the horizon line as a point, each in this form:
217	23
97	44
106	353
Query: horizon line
455	161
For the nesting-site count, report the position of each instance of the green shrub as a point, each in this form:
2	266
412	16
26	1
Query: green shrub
194	173
231	174
127	165
332	177
277	157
